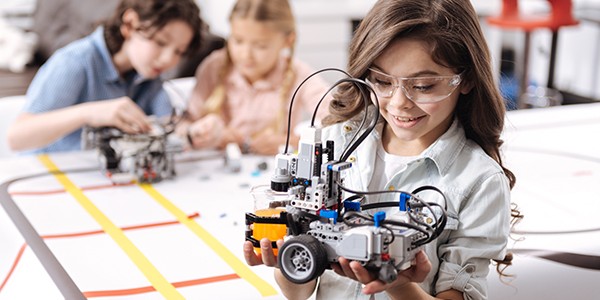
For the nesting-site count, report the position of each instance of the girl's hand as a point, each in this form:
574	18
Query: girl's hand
267	257
207	132
290	290
122	113
268	142
354	270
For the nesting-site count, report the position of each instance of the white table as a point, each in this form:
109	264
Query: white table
131	241
554	152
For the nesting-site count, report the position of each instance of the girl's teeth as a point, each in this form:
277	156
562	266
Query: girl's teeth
405	119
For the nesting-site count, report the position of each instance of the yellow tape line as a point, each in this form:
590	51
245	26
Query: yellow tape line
156	279
238	266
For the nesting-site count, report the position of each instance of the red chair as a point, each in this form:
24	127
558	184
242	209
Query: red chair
559	16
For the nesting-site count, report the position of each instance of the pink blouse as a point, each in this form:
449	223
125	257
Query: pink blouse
253	107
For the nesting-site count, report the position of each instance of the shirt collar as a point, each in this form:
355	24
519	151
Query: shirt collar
108	68
444	151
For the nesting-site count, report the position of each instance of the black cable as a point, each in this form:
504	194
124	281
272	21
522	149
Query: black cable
440	223
366	97
360	126
289	125
365	90
358	83
370	221
430	187
354	197
384	204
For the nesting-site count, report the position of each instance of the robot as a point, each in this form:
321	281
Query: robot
146	157
321	226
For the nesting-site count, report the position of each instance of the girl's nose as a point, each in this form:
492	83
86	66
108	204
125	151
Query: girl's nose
400	100
246	52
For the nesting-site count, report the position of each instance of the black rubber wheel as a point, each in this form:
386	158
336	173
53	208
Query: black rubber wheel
302	259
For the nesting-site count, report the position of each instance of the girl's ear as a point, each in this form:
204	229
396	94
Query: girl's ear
131	21
466	88
290	40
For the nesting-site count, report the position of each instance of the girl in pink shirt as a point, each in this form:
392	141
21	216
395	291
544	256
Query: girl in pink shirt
243	92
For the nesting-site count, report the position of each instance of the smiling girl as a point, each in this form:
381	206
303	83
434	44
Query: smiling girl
429	67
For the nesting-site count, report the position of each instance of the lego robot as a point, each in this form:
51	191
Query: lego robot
321	227
146	157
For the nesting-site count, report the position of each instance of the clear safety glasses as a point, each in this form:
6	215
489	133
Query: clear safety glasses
418	89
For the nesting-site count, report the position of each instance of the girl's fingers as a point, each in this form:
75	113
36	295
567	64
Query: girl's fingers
268	257
362	275
337	269
346	269
251	258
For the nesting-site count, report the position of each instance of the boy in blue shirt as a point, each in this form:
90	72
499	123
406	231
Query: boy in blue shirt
109	78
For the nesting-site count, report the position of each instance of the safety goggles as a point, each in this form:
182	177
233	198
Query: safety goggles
418	89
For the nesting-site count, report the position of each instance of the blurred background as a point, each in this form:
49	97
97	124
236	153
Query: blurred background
30	30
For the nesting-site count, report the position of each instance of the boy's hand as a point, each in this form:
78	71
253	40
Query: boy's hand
122	113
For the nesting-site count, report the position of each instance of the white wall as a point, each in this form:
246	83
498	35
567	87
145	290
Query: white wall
324	31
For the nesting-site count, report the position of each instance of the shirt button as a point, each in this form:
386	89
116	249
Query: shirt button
352	159
392	188
470	269
347	128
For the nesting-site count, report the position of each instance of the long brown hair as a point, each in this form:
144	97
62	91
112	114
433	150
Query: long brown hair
451	29
275	13
154	15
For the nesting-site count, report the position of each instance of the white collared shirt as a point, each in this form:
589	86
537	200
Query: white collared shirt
478	207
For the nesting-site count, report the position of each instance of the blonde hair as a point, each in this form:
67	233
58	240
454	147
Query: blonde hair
277	13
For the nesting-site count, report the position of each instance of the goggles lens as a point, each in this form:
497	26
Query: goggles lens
418	89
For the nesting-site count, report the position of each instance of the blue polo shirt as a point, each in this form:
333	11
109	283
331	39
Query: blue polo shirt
81	72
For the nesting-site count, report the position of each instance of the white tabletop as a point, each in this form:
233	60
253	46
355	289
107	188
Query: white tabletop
155	247
555	155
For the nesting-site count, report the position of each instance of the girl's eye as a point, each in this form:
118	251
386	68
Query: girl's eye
423	85
160	43
382	82
422	88
236	41
262	46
